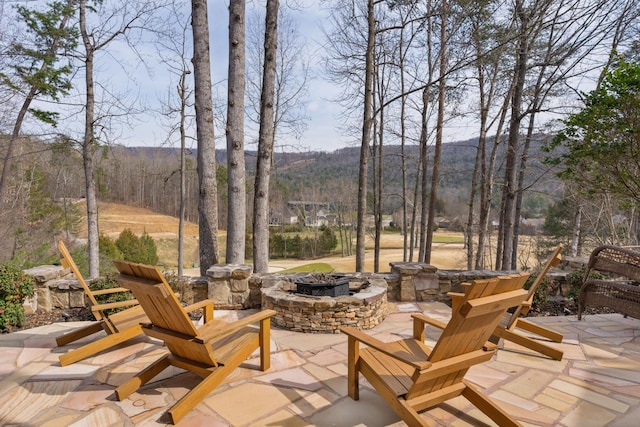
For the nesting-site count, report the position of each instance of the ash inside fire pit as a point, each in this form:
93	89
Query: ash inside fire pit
322	285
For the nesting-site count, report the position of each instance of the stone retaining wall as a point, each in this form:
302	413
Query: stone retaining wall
55	289
234	286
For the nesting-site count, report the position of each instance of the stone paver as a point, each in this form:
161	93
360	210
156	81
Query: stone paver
596	384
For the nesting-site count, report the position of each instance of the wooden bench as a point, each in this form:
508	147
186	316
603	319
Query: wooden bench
620	291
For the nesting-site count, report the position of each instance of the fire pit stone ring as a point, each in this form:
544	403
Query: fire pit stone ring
364	307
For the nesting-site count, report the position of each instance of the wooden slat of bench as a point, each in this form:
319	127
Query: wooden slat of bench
395	375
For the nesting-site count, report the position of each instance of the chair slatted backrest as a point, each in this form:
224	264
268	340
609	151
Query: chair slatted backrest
553	261
471	325
164	310
67	262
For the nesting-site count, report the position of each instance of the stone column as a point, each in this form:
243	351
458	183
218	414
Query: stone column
229	285
418	281
43	276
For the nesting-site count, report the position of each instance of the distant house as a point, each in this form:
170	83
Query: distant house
279	217
311	214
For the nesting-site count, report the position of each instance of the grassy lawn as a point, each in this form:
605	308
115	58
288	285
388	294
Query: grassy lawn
316	267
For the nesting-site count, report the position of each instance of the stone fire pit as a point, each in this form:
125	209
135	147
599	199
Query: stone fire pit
364	307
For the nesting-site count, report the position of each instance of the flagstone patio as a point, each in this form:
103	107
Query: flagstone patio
596	384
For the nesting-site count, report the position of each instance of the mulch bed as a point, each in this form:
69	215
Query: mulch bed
41	317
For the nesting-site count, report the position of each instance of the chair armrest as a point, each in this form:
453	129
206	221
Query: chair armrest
385	348
110	291
456	300
214	330
525	307
454	364
206	304
117	304
429	321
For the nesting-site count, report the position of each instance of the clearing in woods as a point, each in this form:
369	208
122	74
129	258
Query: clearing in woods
113	218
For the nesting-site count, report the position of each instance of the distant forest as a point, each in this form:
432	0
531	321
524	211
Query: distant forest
149	177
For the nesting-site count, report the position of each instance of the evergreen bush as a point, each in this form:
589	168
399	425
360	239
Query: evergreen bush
137	249
15	286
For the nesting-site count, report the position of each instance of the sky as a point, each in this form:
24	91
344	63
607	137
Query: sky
151	83
322	131
324	127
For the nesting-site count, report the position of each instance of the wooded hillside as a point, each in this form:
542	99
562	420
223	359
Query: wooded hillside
50	176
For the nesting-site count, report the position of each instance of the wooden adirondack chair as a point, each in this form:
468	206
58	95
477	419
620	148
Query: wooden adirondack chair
211	351
120	326
508	327
412	378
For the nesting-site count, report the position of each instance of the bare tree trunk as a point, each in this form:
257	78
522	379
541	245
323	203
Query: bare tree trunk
405	238
435	173
414	211
377	188
366	136
88	149
477	168
237	205
509	191
575	235
265	143
207	200
182	93
424	199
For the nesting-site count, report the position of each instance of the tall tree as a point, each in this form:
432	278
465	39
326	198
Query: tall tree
173	50
523	16
38	69
237	205
600	144
265	143
367	121
207	185
113	21
437	155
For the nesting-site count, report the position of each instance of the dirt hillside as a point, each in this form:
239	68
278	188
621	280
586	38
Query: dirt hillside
113	218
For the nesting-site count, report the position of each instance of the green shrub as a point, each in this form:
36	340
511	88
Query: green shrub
109	282
327	241
542	292
129	245
148	247
15	286
574	280
137	249
108	247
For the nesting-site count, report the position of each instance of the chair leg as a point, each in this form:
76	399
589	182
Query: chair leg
265	344
99	345
79	333
143	377
353	374
199	392
529	343
538	330
488	407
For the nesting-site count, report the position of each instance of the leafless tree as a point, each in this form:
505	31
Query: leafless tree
207	201
265	142
237	207
101	25
173	48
